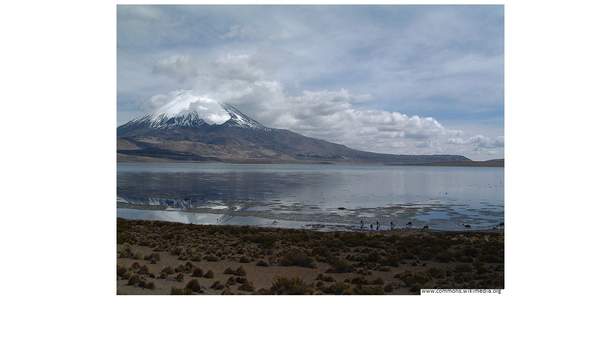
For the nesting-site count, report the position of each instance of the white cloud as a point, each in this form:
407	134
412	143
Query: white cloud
179	67
479	142
176	102
333	115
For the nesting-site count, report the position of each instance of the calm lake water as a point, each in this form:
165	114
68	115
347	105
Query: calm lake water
324	197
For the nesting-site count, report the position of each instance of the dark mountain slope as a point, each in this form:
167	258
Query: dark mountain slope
186	137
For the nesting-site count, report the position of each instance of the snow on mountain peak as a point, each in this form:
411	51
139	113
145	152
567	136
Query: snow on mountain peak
239	119
182	103
186	109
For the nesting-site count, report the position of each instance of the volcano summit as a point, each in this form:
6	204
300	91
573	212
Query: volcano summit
232	136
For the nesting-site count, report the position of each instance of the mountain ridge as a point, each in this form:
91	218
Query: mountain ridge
240	139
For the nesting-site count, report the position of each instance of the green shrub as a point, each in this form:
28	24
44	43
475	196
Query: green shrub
197	272
262	263
209	274
179	277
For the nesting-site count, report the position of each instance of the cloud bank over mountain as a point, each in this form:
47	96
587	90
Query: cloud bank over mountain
400	79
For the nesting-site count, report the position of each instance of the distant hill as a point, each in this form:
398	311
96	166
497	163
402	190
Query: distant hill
241	139
492	163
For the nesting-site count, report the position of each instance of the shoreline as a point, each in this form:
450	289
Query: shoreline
162	258
148	160
410	215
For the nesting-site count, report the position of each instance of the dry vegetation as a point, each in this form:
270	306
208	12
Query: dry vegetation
171	258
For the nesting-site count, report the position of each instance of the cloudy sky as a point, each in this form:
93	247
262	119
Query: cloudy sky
395	79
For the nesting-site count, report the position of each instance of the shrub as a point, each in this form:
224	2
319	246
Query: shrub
262	263
325	278
211	258
444	257
264	240
298	258
290	286
209	274
179	277
245	259
217	285
197	272
377	281
241	280
359	281
373	257
338	288
188	267
134	280
229	271
391	260
240	271
231	281
246	287
463	268
194	286
368	290
339	266
167	270
436	273
143	270
121	271
149	285
388	288
180	291
153	258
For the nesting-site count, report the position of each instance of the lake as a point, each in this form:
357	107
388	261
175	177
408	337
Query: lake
314	196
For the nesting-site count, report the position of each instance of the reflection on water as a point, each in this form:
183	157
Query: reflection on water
334	194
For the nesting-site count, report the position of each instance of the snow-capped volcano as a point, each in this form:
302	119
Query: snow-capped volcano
195	119
166	121
200	129
239	119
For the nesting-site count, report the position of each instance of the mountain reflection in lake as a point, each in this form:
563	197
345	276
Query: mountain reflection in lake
311	195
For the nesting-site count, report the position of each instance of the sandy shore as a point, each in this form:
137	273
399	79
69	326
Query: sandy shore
156	257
